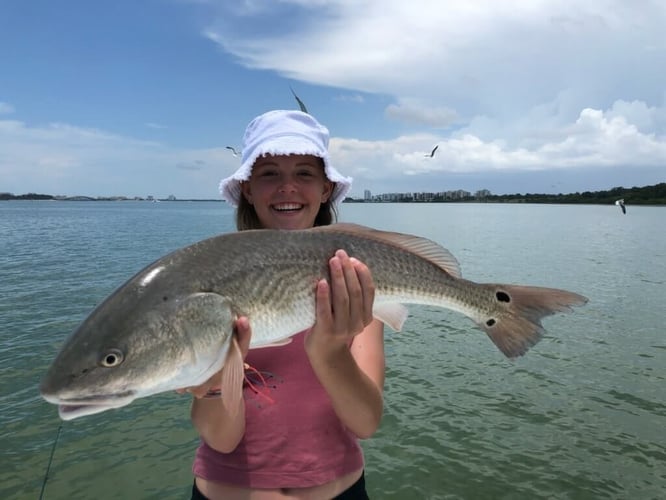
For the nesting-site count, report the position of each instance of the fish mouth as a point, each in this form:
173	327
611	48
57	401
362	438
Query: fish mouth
69	409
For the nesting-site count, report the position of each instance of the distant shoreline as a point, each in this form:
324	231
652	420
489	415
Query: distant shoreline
46	197
351	200
646	195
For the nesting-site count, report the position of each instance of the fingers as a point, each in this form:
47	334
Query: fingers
347	294
243	334
352	293
324	311
339	295
200	391
367	286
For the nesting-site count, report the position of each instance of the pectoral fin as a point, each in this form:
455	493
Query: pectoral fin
231	384
392	314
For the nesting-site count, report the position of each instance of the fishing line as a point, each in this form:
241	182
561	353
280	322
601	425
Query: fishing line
48	467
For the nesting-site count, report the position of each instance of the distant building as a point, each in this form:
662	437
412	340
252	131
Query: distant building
367	195
458	194
427	197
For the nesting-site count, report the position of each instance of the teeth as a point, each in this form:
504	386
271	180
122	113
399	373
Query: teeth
287	206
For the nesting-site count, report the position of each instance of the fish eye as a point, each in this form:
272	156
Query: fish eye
111	358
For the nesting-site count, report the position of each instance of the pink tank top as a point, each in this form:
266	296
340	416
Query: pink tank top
296	440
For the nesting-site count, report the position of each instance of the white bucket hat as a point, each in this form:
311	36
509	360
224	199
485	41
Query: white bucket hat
283	132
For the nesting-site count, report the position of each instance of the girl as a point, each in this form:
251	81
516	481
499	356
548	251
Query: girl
306	404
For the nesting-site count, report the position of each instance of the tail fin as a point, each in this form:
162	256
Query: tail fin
517	325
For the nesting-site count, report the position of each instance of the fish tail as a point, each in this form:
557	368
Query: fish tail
516	324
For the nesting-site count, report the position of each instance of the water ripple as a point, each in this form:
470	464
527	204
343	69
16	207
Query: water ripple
582	416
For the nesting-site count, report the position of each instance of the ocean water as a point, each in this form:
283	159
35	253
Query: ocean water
581	416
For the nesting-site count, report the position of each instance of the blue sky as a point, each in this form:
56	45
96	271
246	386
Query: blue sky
140	97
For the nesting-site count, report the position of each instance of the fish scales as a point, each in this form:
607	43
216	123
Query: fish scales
170	326
273	274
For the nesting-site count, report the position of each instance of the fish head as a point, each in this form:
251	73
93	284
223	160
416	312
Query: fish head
146	338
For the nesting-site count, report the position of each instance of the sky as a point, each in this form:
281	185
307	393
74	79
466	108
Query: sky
141	97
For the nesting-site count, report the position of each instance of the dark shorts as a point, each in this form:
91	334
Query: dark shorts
355	492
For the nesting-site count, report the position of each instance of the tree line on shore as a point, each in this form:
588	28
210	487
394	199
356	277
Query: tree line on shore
646	195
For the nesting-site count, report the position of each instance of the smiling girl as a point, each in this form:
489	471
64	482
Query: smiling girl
296	431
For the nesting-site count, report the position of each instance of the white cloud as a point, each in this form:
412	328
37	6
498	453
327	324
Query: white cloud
480	57
501	87
594	140
62	159
412	111
69	160
513	86
357	98
645	118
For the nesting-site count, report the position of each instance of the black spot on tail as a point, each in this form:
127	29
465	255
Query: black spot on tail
503	296
490	322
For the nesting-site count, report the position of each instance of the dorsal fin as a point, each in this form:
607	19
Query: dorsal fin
424	248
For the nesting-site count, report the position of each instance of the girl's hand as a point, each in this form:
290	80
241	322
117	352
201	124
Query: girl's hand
243	334
343	308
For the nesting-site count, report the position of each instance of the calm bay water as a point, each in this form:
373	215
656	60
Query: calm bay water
582	415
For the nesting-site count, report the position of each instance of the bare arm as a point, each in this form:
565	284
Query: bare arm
352	376
221	430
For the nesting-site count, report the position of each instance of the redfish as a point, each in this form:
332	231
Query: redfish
171	325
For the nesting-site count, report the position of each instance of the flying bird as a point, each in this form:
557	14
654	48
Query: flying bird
621	204
300	103
432	153
233	151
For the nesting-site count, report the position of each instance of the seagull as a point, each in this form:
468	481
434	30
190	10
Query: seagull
432	153
233	151
300	103
621	204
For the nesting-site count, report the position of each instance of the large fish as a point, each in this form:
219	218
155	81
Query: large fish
170	326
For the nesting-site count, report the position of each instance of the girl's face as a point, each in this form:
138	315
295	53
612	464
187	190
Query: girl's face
286	191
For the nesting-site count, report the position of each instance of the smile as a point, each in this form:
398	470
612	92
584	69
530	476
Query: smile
287	207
